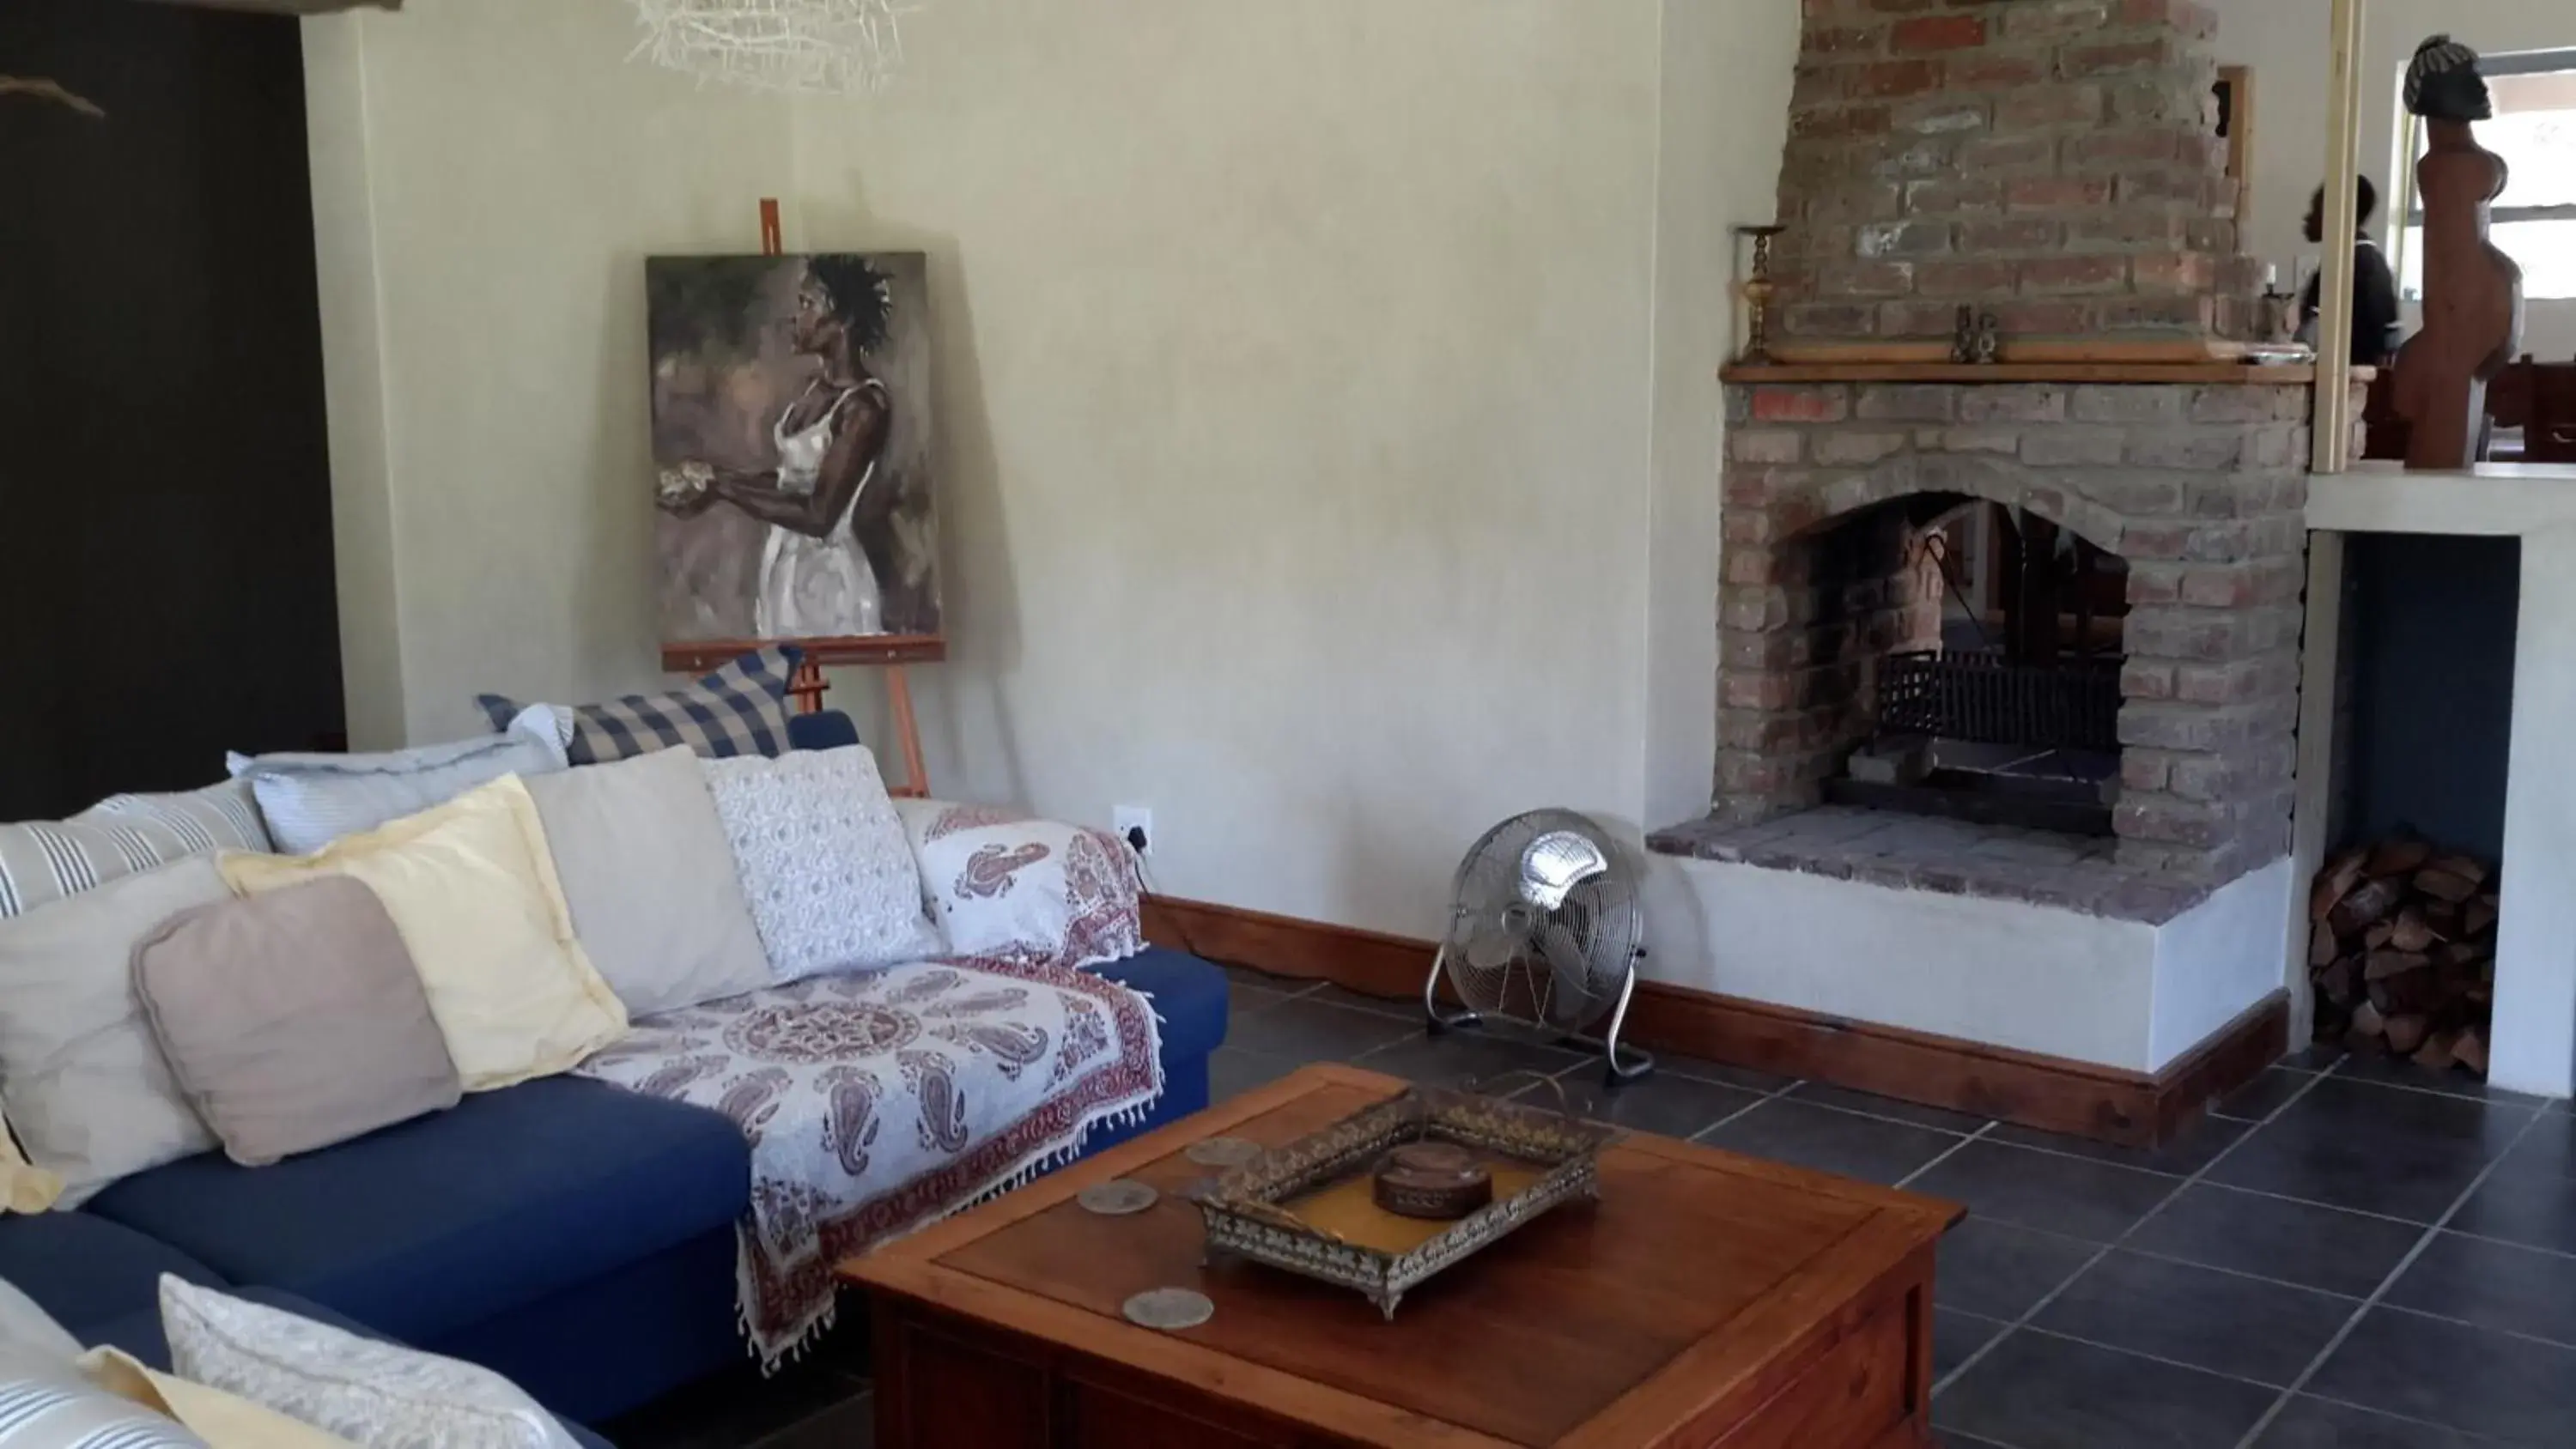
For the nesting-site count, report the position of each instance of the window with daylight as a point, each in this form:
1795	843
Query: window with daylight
2534	130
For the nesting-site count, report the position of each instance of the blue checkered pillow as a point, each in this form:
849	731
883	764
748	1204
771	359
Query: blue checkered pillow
740	709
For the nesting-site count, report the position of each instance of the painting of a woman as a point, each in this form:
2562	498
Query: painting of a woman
792	483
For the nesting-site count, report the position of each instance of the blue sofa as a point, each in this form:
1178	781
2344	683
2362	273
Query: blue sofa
575	1237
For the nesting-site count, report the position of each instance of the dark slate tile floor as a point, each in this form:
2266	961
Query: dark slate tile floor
2344	1254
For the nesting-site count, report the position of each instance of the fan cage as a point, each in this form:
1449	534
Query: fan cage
1600	913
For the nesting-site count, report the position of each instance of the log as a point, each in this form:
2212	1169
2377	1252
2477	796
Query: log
2436	1054
2406	1033
2385	964
2442	916
2419	993
2340	982
2336	881
2364	904
2410	932
2441	883
2479	915
2467	867
2470	1050
2376	938
2398	856
2322	948
2465	953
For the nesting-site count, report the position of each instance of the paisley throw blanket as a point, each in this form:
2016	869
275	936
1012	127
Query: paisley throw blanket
878	1103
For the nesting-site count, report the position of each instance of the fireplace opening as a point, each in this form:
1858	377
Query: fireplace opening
1986	679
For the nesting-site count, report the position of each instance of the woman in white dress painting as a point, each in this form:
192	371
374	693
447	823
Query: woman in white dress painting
830	519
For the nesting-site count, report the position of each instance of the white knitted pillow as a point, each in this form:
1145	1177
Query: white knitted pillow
369	1393
824	863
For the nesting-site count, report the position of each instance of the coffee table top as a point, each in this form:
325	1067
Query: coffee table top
1603	1323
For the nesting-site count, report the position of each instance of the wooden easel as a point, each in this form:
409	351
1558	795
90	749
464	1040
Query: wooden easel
890	652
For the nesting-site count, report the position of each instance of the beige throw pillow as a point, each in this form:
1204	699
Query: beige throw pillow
294	1020
222	1420
645	863
88	1091
24	1187
472	888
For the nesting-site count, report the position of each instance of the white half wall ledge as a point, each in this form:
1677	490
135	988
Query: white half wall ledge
2489	500
2119	994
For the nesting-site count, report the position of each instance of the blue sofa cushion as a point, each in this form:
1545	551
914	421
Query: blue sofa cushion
88	1272
140	1335
1189	994
422	1229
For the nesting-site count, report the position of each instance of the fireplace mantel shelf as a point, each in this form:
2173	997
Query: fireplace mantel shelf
2493	499
2201	374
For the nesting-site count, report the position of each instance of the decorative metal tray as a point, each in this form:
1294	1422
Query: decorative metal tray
1306	1206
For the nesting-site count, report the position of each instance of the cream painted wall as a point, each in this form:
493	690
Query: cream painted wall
1727	69
488	178
1327	394
2285	42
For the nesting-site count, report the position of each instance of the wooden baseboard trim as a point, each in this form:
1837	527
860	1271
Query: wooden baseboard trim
1369	962
2135	1109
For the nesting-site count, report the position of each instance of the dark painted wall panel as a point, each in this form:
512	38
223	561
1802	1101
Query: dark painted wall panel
166	586
2430	638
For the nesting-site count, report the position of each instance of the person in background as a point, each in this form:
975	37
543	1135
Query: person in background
2374	286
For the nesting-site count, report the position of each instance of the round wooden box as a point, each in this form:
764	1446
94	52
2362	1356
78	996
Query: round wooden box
1435	1180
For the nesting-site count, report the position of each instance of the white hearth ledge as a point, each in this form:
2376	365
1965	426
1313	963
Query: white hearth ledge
2114	993
2535	994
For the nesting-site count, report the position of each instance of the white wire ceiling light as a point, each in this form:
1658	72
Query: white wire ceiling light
786	45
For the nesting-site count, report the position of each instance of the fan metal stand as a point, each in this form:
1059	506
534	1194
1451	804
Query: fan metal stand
1619	1070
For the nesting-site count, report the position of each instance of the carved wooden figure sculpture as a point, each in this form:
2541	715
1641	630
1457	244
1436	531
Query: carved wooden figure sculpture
2472	292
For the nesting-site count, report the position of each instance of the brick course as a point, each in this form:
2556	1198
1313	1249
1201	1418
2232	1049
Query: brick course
2067	140
2200	488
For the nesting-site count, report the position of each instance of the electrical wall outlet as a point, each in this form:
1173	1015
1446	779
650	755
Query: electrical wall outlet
1135	825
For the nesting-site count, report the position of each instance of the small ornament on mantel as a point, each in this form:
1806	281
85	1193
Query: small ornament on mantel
1758	289
1979	339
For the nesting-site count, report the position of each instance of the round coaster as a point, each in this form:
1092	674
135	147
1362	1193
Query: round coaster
1222	1151
1169	1309
1117	1199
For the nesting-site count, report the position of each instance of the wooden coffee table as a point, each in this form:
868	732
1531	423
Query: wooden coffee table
1706	1299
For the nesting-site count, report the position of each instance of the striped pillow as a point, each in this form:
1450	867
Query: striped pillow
46	861
40	1413
740	709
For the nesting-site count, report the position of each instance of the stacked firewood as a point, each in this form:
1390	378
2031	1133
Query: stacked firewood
2402	951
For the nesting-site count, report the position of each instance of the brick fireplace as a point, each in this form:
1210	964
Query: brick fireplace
2052	163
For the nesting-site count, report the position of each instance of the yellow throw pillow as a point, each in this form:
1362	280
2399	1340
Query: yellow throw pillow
24	1187
223	1420
471	886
